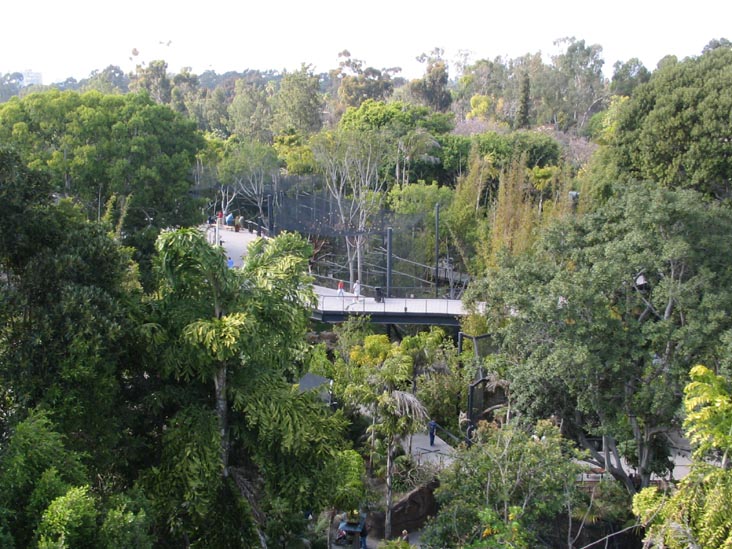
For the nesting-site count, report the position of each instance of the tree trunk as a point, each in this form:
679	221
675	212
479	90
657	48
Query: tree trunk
350	256
359	257
331	516
221	407
373	443
389	494
221	415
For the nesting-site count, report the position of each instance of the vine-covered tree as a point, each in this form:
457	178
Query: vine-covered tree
524	108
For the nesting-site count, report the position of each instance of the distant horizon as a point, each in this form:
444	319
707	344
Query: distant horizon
130	70
73	39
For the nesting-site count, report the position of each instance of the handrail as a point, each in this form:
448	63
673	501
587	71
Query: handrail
349	303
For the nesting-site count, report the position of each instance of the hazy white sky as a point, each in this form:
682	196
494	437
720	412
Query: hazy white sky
75	37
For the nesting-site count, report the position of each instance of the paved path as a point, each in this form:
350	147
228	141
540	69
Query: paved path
234	243
441	454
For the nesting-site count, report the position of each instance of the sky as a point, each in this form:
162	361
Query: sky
75	37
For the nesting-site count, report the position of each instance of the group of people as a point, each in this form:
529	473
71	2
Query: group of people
356	290
230	220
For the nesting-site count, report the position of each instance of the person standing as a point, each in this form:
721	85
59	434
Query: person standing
340	288
356	290
404	536
432	428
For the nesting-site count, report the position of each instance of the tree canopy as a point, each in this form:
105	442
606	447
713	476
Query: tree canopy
674	128
149	394
602	317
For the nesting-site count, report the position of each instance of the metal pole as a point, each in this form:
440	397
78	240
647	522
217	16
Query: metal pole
388	261
437	248
270	221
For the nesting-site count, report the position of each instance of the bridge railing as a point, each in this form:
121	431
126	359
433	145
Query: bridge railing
395	305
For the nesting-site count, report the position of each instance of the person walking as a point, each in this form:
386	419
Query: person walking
432	428
356	290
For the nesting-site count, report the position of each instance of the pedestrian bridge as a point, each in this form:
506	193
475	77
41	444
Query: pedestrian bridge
333	308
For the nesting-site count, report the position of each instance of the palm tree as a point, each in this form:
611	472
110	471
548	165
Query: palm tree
396	412
402	414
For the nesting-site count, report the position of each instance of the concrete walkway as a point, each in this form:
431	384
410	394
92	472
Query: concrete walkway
235	243
441	454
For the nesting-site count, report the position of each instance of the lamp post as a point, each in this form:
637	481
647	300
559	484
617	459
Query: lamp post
388	261
437	249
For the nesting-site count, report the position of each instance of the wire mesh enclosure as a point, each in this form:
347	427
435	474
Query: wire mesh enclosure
304	205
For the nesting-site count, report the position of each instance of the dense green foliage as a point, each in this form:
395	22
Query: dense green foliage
68	291
37	468
499	490
93	146
695	513
172	392
149	394
675	128
603	316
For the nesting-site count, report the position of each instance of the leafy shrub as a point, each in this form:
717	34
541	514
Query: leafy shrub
70	521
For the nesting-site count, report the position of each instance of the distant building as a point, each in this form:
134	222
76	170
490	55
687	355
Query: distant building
31	78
